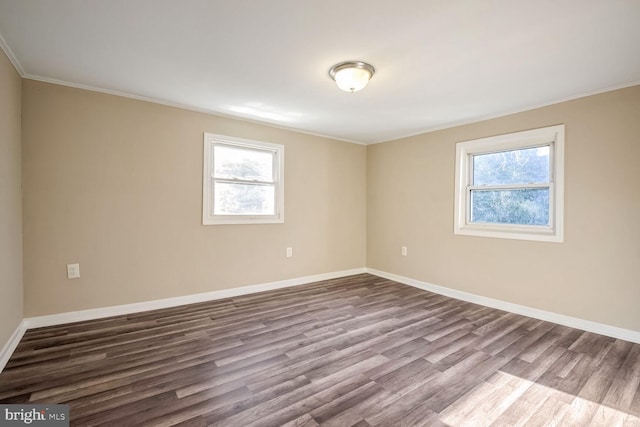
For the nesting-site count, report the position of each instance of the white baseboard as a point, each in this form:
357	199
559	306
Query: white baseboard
561	319
99	313
10	346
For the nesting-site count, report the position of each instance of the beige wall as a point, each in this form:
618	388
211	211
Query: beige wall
594	274
10	200
116	185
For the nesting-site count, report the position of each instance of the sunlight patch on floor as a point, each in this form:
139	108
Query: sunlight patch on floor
507	400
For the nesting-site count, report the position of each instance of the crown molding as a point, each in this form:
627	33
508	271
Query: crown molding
513	111
183	107
12	57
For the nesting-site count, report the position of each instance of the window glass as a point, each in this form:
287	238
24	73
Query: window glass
243	181
242	163
511	186
527	206
243	199
524	166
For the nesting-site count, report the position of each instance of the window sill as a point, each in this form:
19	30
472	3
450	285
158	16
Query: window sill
232	220
539	234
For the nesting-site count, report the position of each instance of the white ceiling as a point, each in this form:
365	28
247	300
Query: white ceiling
438	62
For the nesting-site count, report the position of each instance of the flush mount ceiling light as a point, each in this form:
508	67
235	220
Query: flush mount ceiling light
352	76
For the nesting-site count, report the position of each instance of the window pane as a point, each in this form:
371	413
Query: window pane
247	164
525	166
243	199
528	206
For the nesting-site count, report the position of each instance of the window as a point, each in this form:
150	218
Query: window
243	181
511	186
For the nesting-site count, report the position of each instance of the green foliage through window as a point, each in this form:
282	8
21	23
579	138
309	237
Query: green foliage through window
523	206
492	201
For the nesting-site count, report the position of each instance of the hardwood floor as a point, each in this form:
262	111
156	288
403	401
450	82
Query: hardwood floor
356	351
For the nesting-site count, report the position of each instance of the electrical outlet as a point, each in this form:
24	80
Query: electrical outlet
289	252
403	251
73	271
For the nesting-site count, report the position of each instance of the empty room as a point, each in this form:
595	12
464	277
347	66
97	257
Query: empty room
336	213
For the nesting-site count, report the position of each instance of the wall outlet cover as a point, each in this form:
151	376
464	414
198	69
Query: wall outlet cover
73	271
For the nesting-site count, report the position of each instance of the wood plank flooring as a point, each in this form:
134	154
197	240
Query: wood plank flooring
356	351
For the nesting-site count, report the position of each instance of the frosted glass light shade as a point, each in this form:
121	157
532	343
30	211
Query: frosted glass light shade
351	76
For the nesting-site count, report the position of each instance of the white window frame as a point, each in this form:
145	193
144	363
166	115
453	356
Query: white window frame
552	136
208	197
